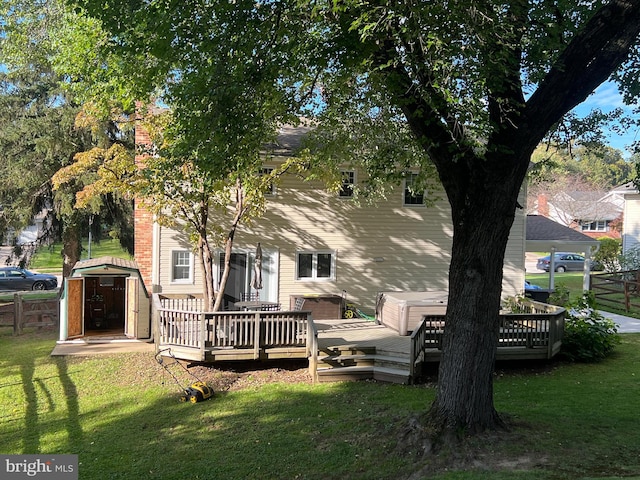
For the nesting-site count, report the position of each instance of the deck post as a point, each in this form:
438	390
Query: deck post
312	348
257	336
201	338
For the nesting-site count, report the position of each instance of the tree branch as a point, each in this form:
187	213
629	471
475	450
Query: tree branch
589	59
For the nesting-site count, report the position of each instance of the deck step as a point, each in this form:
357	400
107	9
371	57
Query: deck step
340	361
384	374
349	350
330	374
391	375
392	361
388	353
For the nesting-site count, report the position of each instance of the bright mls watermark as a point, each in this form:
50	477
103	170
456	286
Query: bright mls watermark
49	467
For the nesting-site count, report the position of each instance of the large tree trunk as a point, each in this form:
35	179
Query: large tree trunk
483	213
206	262
465	388
228	248
71	248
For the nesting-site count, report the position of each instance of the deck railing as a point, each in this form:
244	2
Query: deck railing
540	327
246	330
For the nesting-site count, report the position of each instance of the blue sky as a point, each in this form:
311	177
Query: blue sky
606	98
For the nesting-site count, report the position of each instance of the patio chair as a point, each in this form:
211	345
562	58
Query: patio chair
270	308
299	304
250	296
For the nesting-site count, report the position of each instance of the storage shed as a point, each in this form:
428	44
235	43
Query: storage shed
104	296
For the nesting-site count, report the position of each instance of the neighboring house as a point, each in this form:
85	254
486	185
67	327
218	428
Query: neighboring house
30	234
593	213
631	223
21	245
318	244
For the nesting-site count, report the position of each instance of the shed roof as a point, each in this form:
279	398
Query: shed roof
106	261
108	266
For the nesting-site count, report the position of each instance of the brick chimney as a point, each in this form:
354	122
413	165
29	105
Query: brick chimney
143	218
543	205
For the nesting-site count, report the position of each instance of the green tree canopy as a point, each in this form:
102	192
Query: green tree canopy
477	85
43	128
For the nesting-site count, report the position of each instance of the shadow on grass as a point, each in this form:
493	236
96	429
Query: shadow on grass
73	425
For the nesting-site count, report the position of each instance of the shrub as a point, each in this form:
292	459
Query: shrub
630	260
559	296
588	335
607	254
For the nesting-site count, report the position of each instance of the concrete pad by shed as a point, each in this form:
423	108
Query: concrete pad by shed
108	347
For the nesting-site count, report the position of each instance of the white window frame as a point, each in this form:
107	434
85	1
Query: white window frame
314	266
409	179
345	193
190	261
595	226
265	170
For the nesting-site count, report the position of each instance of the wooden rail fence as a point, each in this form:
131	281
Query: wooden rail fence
620	290
27	312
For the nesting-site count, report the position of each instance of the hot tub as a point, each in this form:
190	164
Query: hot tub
403	311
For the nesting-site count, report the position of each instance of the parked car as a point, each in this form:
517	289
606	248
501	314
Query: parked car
14	278
563	262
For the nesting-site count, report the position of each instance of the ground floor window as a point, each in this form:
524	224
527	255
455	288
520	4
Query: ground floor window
181	266
315	265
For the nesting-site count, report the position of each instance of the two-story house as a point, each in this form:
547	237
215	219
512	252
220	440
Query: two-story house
319	244
631	223
594	213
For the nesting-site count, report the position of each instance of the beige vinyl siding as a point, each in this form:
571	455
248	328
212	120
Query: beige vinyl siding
173	239
380	246
631	229
514	269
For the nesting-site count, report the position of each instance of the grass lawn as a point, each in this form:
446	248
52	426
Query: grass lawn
121	415
49	259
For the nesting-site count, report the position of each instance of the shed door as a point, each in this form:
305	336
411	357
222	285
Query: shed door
131	314
75	303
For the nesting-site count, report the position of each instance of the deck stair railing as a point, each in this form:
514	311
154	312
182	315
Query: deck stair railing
536	326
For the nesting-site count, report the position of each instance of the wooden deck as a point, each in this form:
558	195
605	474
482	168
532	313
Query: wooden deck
347	349
355	349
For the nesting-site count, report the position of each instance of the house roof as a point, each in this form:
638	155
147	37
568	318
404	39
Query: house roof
289	139
587	205
544	235
626	188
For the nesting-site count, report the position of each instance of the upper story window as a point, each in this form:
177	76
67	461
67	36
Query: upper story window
348	182
596	226
271	188
318	265
411	196
181	266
